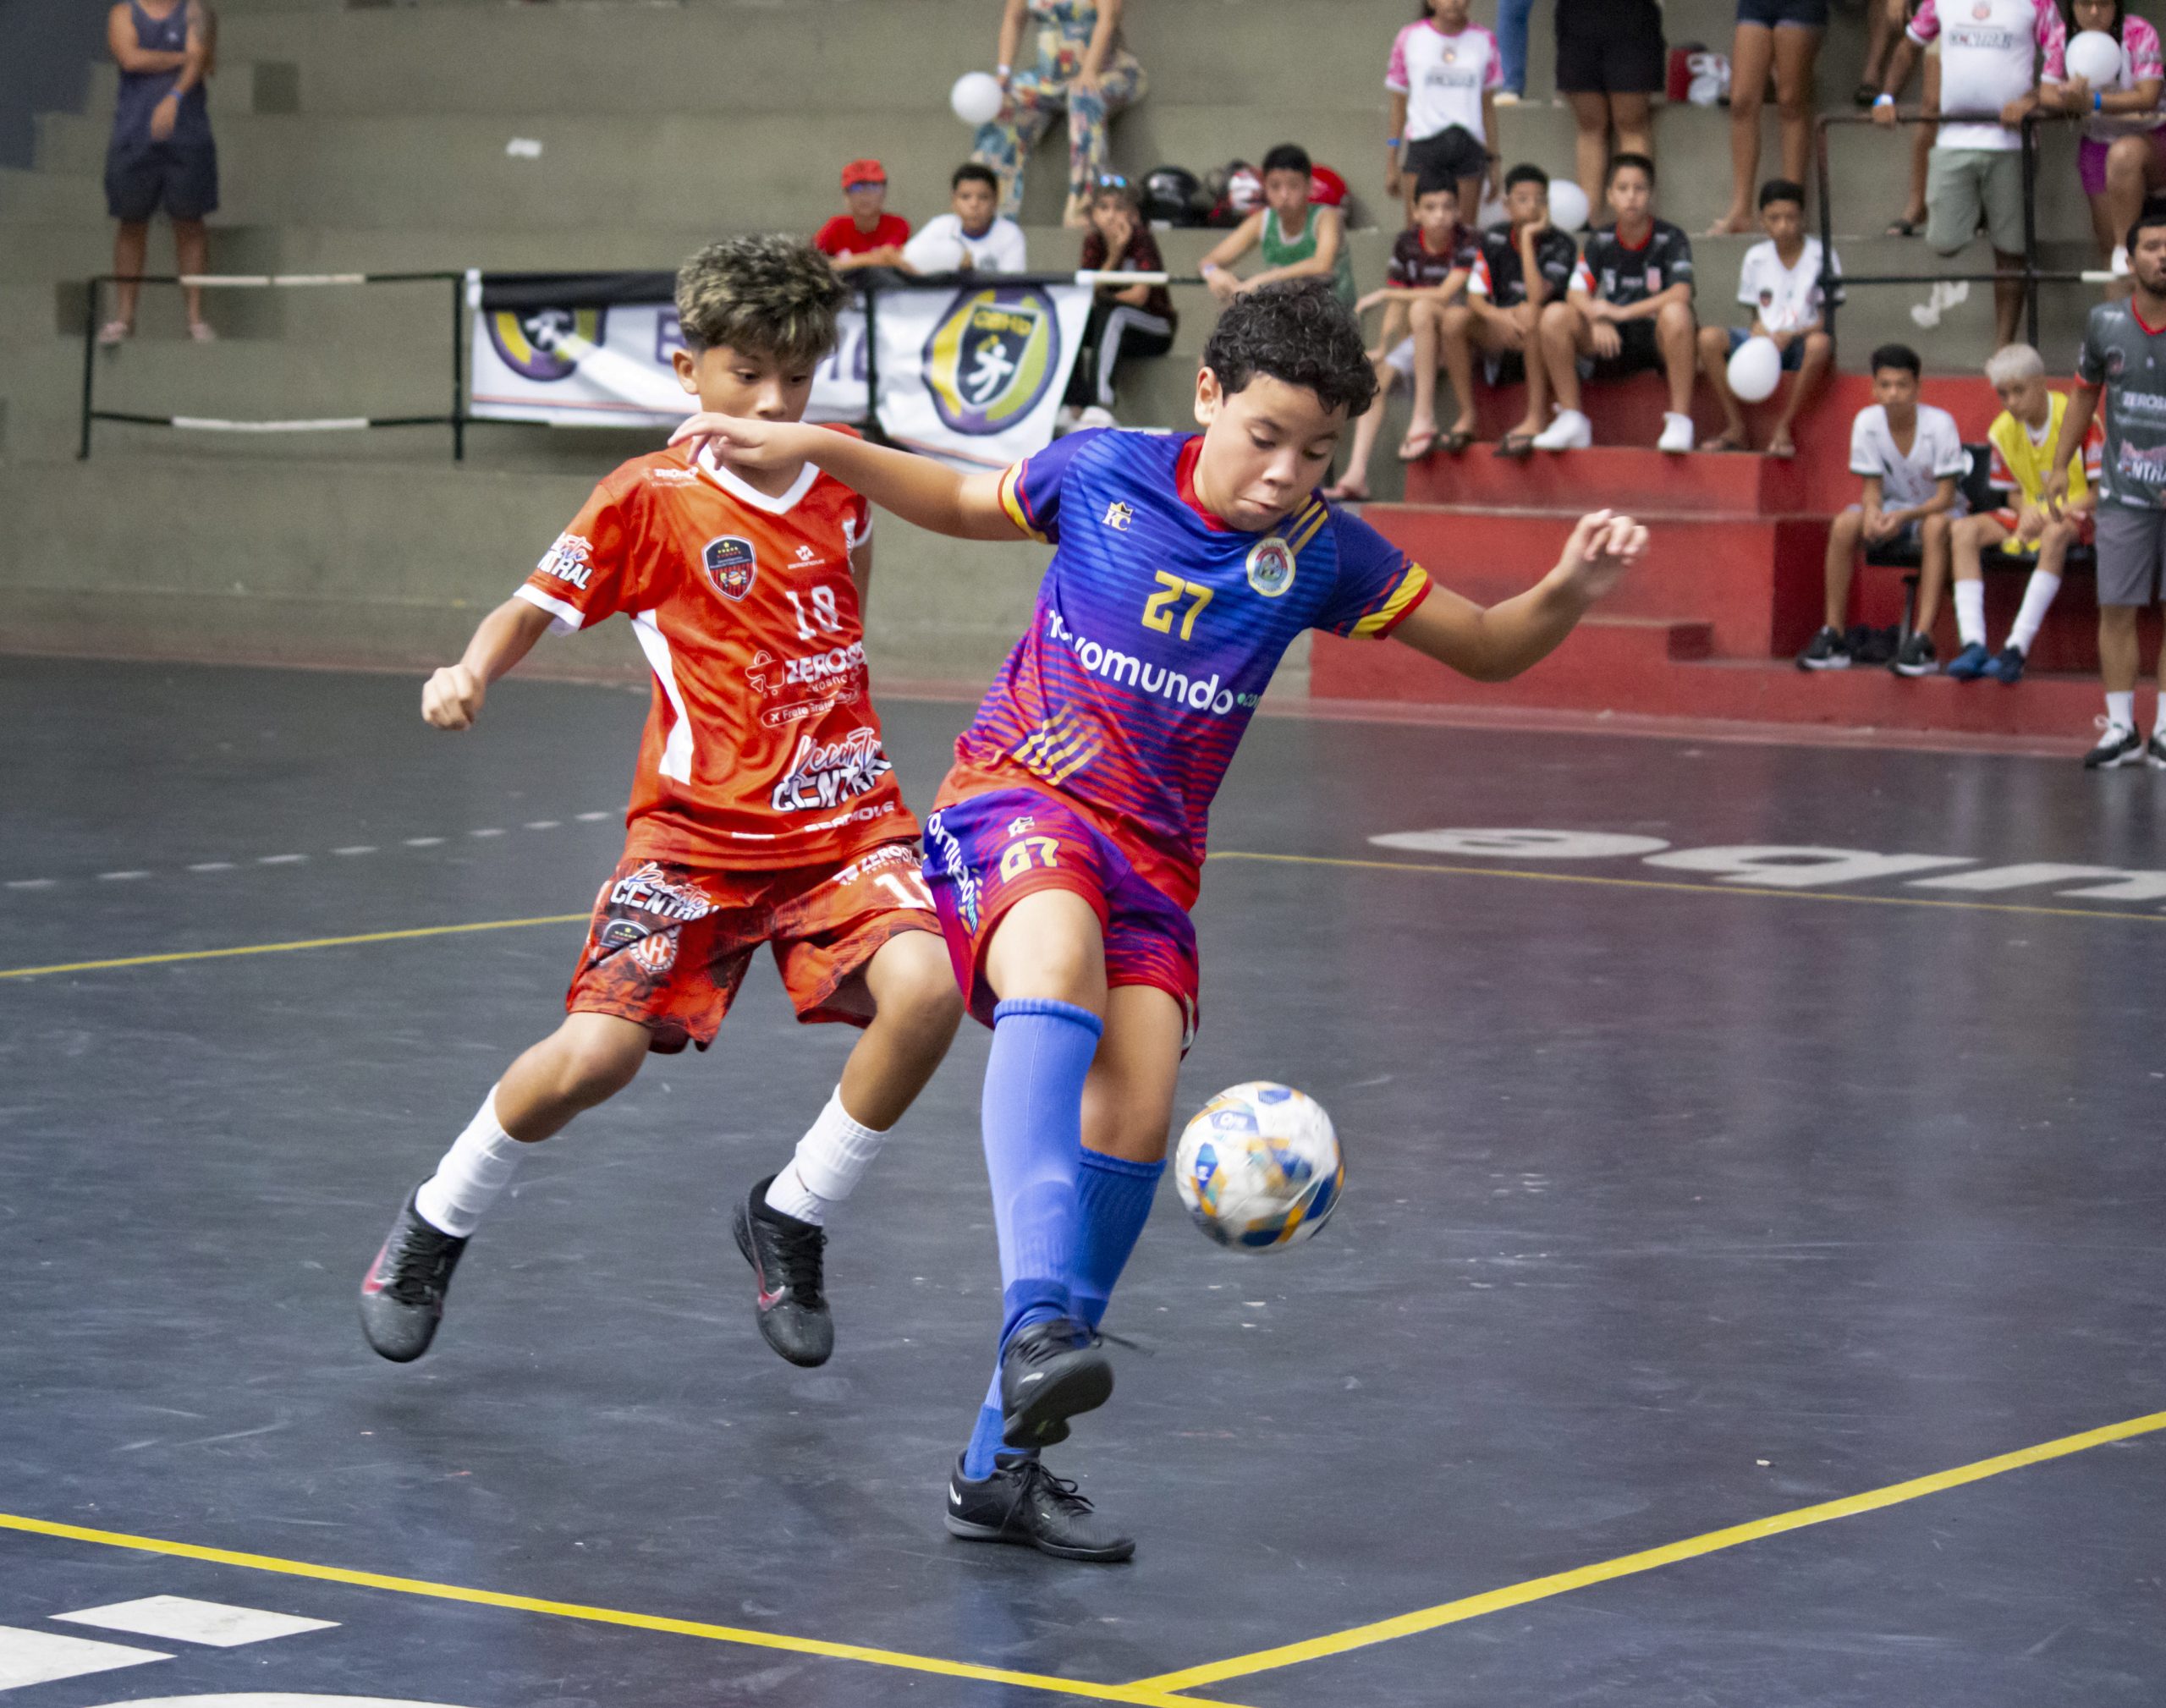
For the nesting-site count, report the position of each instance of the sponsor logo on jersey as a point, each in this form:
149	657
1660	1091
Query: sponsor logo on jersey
806	554
546	344
650	890
731	564
823	774
1198	693
656	953
835	677
955	867
991	358
669	474
1271	567
570	559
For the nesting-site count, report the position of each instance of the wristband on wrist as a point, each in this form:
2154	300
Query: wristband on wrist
1001	71
1883	99
2097	101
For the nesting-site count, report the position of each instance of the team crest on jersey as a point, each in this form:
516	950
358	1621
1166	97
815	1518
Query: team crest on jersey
546	344
1271	566
731	564
1119	517
991	358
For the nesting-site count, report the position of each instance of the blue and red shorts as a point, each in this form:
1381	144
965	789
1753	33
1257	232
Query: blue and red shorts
984	854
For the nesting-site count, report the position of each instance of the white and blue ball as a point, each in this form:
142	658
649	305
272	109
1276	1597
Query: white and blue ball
1259	1168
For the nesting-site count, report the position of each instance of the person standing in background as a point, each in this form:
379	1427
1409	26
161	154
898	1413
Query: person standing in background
1078	62
1511	47
1443	77
1610	60
161	155
1785	34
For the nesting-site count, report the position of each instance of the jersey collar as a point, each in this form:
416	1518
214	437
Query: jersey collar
1185	483
738	489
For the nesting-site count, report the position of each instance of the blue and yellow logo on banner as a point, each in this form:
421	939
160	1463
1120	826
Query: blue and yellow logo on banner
992	357
532	342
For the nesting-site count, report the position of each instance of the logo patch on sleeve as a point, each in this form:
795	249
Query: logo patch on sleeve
732	565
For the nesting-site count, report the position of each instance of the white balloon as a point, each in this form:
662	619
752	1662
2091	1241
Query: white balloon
2096	58
977	97
1568	205
1755	371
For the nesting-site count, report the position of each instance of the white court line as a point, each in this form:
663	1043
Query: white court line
32	883
279	860
422	841
485	832
543	824
589	817
120	878
183	1619
39	1657
212	866
358	848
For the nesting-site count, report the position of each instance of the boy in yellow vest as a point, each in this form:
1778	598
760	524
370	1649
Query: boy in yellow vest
2022	437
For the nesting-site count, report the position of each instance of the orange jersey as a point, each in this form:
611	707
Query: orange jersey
761	749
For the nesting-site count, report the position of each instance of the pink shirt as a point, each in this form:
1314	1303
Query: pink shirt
1989	51
1443	77
2140	58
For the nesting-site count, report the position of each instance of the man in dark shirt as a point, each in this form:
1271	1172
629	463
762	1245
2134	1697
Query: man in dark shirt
1526	265
161	155
1630	310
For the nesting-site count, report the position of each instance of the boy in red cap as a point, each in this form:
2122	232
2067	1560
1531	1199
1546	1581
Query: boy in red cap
867	235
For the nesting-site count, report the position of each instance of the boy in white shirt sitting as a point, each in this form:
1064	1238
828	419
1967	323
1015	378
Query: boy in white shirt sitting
1780	282
975	237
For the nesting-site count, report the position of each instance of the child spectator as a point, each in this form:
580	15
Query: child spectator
1987	64
867	235
1444	78
2122	158
1431	266
2022	437
1299	239
1630	310
1611	61
1910	456
971	238
1526	265
1780	281
1077	60
1126	319
1785	34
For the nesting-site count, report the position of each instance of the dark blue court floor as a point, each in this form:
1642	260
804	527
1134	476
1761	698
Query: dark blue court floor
1686	1188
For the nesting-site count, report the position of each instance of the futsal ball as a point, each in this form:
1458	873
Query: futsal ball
1568	205
1259	1168
2096	58
977	97
1755	371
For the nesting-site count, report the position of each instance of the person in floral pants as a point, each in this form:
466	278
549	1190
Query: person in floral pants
1078	63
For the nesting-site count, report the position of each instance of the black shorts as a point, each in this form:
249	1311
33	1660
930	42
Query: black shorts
1610	47
180	178
1453	152
1641	351
1810	14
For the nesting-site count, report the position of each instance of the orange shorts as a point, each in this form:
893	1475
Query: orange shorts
669	943
2008	519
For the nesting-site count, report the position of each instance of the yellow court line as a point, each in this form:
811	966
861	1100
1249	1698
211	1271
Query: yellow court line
287	948
1707	889
1140	1695
1561	1583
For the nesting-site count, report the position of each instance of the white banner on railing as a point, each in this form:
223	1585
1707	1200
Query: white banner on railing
972	372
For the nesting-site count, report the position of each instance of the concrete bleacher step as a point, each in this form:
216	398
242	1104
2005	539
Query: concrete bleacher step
1627	477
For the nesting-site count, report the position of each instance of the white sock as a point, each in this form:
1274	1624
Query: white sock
2120	708
831	1159
1971	612
478	1166
2038	600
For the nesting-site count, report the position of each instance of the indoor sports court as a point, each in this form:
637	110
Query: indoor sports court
1745	1288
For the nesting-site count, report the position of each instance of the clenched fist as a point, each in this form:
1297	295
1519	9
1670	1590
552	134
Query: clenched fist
452	698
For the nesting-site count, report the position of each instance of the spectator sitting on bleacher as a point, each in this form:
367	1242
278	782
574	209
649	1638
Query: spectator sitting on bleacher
161	155
1630	310
2122	158
2022	438
1526	265
867	235
971	238
1431	267
1910	455
1987	64
1126	319
1300	238
1780	282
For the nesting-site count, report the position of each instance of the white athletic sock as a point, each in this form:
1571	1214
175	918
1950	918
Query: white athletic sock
478	1166
1971	612
2038	600
831	1159
2120	708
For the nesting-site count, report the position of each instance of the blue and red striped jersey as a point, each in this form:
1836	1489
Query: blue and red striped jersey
1158	628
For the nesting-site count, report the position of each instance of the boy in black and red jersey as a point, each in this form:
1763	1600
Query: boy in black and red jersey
764	809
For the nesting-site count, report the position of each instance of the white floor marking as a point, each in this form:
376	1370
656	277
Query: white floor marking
182	1619
423	840
212	866
120	878
39	1657
279	860
358	848
271	1698
589	817
485	832
543	823
32	883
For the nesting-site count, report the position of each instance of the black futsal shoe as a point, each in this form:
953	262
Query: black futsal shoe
1025	1503
2119	746
1916	657
1827	651
786	1255
2154	754
402	1295
1048	1373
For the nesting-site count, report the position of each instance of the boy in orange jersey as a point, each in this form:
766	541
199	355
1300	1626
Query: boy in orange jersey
764	811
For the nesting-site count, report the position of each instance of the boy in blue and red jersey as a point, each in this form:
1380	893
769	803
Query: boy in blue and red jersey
1067	844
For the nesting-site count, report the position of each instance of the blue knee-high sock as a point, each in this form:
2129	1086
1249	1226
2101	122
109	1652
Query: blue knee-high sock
1116	1198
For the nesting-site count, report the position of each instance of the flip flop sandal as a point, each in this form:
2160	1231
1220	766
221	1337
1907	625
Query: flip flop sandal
1454	443
1903	227
1515	447
1427	442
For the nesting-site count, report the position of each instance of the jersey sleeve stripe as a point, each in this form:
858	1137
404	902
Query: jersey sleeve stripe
1387	616
1011	501
569	618
1310	526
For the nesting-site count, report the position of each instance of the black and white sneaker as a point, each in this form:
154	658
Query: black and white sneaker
1827	651
2119	746
2154	755
1915	657
1025	1503
1049	1372
787	1258
402	1295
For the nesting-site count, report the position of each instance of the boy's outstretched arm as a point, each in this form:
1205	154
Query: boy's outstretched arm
452	698
1495	645
918	488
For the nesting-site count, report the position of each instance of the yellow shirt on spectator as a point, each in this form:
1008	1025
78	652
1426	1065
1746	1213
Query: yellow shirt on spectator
2020	458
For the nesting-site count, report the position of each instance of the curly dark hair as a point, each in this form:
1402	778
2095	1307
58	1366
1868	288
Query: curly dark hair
1298	332
774	296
